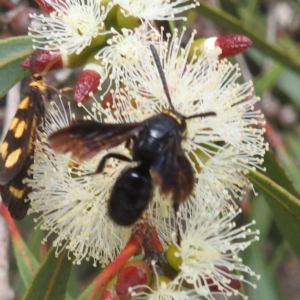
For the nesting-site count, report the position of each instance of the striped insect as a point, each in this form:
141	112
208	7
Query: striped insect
17	149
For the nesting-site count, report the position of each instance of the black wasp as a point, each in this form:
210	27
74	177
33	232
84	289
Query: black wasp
155	146
17	149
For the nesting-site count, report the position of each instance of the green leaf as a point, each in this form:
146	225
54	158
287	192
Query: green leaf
261	213
292	143
275	172
26	261
34	243
287	83
276	76
13	51
234	25
89	291
283	199
267	287
289	165
51	279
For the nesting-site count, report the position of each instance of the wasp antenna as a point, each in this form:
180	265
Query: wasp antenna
202	115
161	74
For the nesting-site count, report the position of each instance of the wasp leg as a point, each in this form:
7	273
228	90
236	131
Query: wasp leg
129	143
108	156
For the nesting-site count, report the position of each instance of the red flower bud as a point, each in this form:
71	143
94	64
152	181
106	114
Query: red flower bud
42	60
46	7
86	85
232	44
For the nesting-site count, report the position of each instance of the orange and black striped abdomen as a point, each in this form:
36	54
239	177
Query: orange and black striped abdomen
17	149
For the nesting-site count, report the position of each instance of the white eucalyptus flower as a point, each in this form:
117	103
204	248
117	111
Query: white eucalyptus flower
222	148
71	203
156	9
210	244
122	52
72	26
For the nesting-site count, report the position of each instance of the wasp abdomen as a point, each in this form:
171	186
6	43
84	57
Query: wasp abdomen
130	195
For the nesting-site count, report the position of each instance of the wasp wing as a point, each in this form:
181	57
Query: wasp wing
19	140
85	138
173	173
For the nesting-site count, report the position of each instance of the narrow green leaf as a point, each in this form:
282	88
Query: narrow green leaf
68	297
267	288
26	261
292	142
289	165
275	172
34	243
14	48
232	24
13	51
261	213
77	273
287	83
51	279
10	74
89	291
284	205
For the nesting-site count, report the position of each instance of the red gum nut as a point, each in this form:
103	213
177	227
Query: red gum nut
42	60
135	272
232	44
86	85
46	7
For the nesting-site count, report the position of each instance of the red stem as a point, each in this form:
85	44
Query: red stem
133	247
